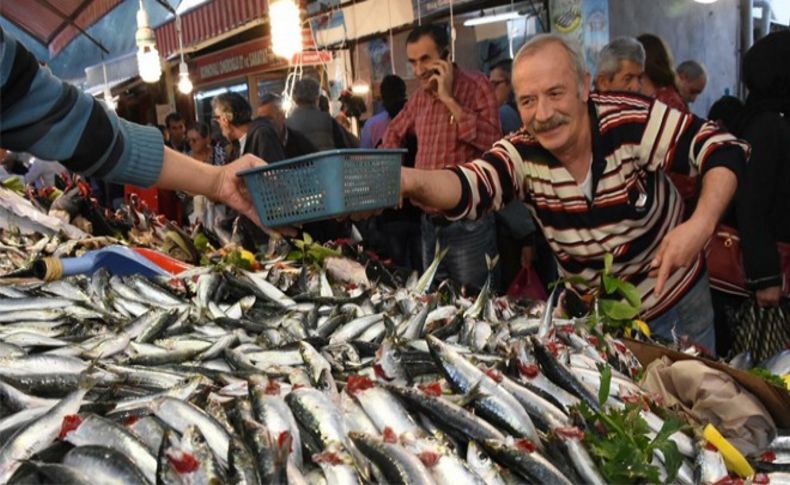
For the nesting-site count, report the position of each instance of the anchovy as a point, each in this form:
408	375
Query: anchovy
563	377
531	465
396	464
179	415
98	431
39	434
448	414
495	403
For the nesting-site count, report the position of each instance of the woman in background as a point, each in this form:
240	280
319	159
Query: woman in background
201	147
659	79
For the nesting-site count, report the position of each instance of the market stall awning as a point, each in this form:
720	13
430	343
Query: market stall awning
55	23
207	22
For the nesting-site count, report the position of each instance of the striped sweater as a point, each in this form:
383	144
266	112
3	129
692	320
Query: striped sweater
53	120
634	205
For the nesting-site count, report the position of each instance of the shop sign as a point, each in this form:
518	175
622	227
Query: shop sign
246	58
251	56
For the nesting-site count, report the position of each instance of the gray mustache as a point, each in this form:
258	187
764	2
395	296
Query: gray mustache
550	124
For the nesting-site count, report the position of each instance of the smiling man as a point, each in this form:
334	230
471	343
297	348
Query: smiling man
455	118
592	169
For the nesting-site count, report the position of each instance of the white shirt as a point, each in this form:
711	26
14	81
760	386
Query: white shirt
586	186
242	142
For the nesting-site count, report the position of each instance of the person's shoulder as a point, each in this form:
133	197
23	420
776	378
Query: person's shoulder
473	76
620	100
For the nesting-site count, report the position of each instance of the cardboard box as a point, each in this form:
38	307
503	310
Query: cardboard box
775	400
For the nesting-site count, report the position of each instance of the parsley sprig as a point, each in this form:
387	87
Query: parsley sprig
619	441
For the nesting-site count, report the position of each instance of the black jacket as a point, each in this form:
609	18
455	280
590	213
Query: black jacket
263	142
763	199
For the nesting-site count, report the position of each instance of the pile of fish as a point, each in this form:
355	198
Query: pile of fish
222	375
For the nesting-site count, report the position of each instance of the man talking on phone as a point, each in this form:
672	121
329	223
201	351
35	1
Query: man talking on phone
455	118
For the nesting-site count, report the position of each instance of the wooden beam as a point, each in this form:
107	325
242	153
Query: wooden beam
72	19
48	6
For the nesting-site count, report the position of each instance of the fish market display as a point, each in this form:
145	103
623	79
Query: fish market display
298	374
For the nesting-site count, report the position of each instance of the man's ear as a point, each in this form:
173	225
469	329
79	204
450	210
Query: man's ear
601	83
586	87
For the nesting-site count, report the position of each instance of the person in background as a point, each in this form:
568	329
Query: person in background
41	173
201	146
257	137
294	143
500	79
395	234
597	185
763	203
621	66
761	210
515	230
176	132
393	98
727	111
659	79
351	110
659	83
455	117
691	80
202	209
323	103
318	126
28	93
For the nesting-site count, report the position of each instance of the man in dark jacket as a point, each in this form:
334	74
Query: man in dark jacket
294	142
258	136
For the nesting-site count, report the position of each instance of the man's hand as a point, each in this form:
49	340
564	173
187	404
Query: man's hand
769	297
231	190
443	79
678	250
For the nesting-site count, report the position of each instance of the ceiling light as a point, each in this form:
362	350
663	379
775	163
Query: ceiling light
489	19
184	83
148	63
286	28
360	88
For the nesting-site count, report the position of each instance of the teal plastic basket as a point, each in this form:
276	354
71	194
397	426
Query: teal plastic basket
324	185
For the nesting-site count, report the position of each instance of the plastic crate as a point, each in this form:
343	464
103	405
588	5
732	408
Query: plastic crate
324	185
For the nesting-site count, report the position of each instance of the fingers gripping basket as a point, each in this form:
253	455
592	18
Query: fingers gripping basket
324	185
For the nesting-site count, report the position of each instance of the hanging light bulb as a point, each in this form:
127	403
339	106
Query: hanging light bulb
148	64
360	88
184	83
286	28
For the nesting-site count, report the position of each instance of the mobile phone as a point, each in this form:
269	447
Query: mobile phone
444	55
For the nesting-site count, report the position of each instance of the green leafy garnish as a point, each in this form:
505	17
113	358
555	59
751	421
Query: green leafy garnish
767	376
14	183
235	258
311	252
606	382
619	441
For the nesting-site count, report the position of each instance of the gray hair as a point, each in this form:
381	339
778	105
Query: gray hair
234	107
691	70
538	42
618	50
306	92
